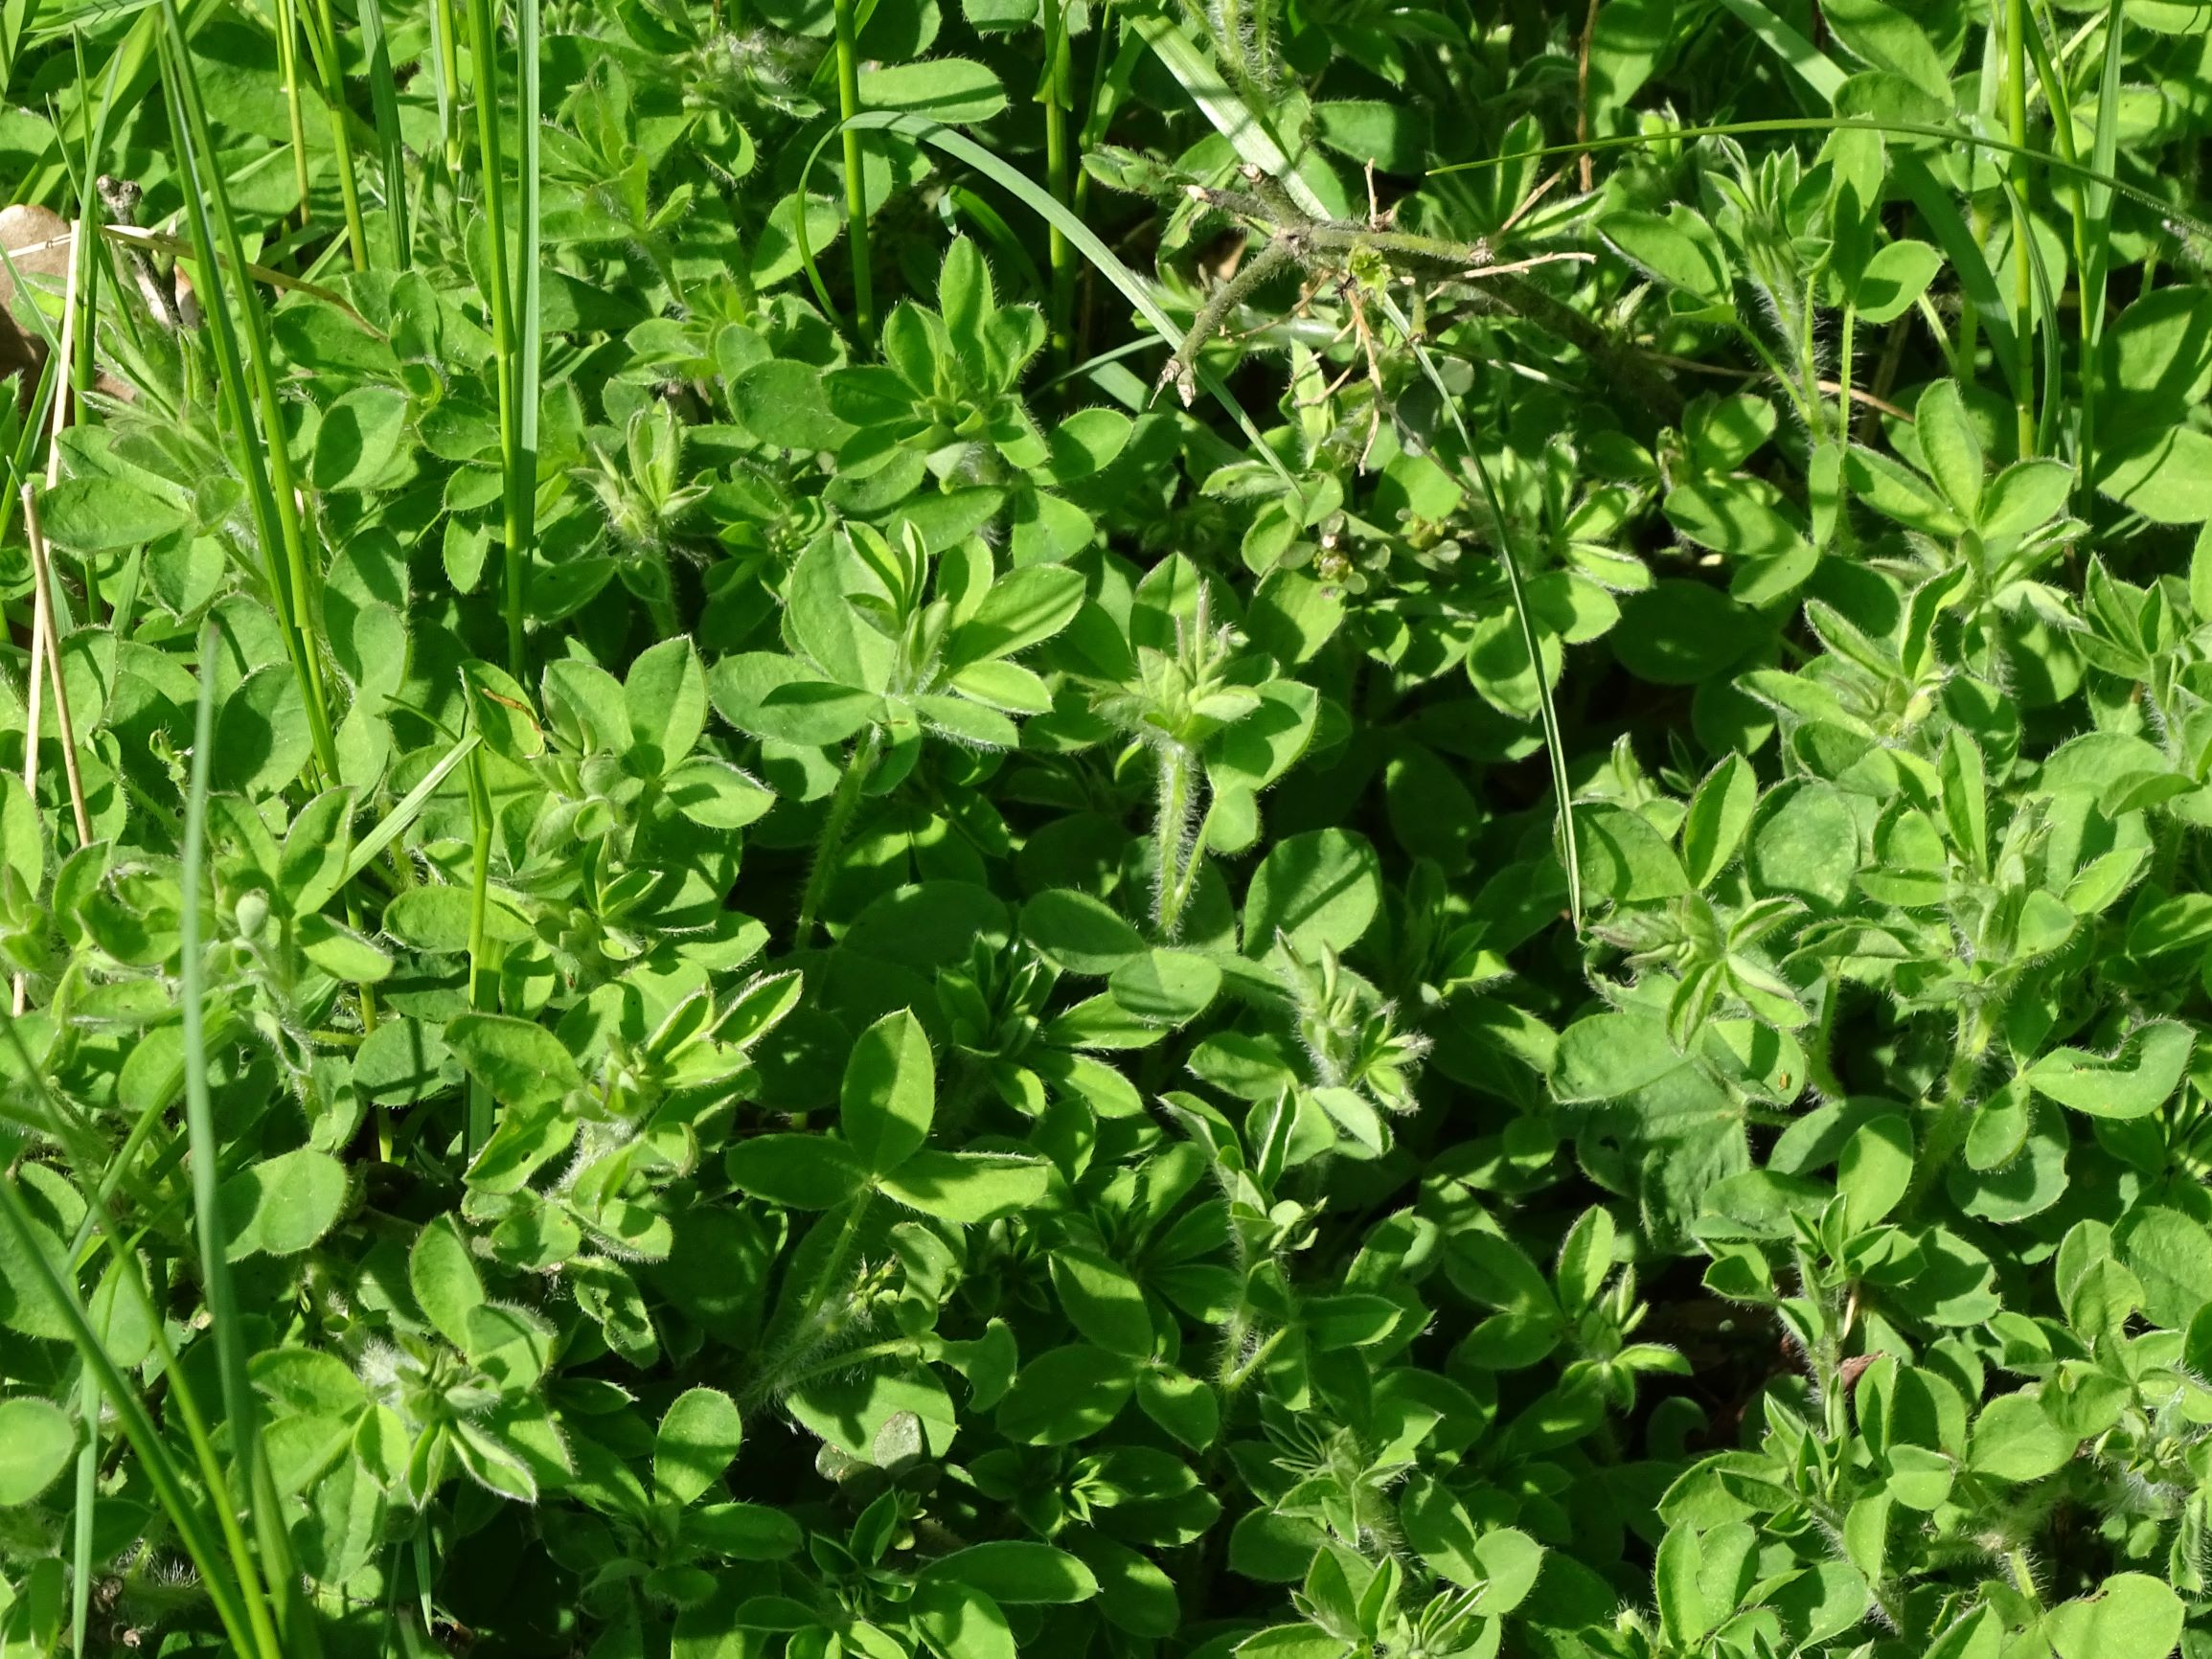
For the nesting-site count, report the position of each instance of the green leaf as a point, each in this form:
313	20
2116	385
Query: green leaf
1066	1394
1876	1169
2134	1083
953	90
519	1062
666	700
1720	812
37	1441
1103	1301
699	1434
359	438
781	402
1319	889
2130	1616
1081	934
1015	1573
889	1095
282	1205
262	736
1172	987
99	514
1892	282
1018	610
806	1172
1186	1407
1678	247
2014	1440
1683	1612
969	1187
1952	450
443	1277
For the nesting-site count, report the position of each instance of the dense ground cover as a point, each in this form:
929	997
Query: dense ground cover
919	831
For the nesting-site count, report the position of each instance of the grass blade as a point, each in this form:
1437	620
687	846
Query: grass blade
288	31
322	45
268	466
241	1406
247	1635
1813	67
491	195
1548	708
522	539
410	807
2097	243
392	154
1244	127
1081	237
855	178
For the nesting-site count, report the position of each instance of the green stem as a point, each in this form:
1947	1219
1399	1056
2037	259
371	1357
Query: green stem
1948	1132
1171	839
839	818
828	1281
522	471
898	1348
480	1105
87	1496
491	190
289	70
243	1616
1058	174
323	41
269	469
447	63
1843	365
2023	294
856	181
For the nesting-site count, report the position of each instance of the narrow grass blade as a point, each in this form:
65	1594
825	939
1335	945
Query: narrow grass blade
1244	127
855	175
246	1634
482	1111
288	31
85	1500
1813	67
322	45
491	200
241	1406
2093	172
1548	708
2097	243
268	466
2044	299
370	846
1131	286
530	371
392	154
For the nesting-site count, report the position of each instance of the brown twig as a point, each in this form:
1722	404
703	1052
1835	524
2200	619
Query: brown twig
1583	91
42	574
1858	395
45	650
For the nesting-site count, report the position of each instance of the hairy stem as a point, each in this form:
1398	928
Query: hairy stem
856	181
843	804
1174	854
